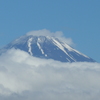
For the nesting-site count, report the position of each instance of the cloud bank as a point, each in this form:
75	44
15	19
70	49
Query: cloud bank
23	77
58	34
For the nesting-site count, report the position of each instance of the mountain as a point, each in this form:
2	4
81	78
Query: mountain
47	47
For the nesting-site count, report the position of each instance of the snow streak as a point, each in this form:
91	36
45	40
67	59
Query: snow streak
29	45
61	47
40	46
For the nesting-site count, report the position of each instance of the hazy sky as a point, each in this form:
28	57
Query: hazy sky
77	19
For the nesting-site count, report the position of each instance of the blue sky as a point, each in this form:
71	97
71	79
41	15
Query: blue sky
77	19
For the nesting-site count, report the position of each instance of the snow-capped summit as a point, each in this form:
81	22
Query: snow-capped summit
47	47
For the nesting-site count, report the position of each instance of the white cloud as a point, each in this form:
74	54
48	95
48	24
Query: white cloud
58	34
23	77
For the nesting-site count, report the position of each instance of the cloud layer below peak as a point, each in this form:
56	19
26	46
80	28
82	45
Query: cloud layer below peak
23	77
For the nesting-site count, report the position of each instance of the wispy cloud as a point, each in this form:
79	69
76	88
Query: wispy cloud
23	77
58	34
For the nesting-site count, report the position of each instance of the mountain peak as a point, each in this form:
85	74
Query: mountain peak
47	47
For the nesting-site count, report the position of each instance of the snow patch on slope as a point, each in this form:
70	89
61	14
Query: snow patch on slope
80	53
60	46
71	49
